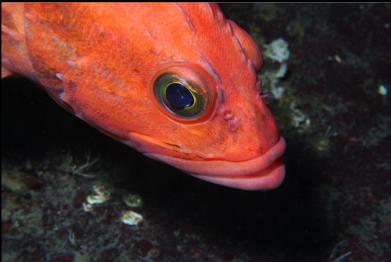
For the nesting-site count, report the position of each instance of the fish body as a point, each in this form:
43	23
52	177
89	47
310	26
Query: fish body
176	81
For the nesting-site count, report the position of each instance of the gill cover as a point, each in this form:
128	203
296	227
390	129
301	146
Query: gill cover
248	45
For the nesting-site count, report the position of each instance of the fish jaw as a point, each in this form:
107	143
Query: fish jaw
263	172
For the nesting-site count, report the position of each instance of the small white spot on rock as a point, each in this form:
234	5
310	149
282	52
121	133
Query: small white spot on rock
131	218
281	72
100	195
382	90
278	92
96	199
87	207
277	50
132	200
337	58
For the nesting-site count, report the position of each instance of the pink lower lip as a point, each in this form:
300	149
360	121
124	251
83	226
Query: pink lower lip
264	180
264	172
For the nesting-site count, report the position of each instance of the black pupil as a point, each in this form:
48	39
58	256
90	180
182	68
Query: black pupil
179	96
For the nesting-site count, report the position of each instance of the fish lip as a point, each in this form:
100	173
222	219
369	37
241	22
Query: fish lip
263	172
268	179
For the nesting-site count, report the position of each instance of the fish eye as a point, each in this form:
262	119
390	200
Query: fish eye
179	97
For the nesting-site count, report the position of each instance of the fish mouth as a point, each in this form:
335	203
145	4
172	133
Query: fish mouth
264	172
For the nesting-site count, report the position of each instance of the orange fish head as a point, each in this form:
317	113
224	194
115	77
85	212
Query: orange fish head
209	118
222	133
183	90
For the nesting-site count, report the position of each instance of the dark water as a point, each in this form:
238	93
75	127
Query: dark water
335	204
